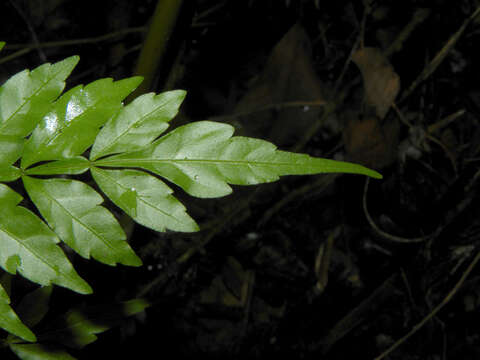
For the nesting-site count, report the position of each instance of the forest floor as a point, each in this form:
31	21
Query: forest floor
325	266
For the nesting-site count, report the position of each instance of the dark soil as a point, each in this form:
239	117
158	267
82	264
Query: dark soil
253	289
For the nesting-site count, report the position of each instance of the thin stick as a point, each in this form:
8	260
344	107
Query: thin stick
388	236
432	138
36	43
234	213
440	56
26	48
81	41
418	17
435	311
16	54
322	182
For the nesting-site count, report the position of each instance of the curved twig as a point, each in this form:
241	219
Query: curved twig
388	236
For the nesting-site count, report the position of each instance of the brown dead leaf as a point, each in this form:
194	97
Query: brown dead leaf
288	77
367	140
381	82
369	143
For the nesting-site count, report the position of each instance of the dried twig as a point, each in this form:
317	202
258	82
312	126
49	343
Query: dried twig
388	236
81	41
435	127
33	34
26	48
435	311
438	59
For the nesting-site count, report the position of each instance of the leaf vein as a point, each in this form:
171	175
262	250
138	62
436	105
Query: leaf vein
26	100
81	222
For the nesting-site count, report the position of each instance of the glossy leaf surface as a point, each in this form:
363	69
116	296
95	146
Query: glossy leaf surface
71	126
30	248
26	97
73	211
203	158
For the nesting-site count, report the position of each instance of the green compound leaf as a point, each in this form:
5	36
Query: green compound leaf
79	327
39	352
54	133
27	96
145	198
10	321
30	248
138	124
73	211
71	126
203	158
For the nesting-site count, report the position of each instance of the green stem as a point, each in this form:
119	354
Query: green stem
155	44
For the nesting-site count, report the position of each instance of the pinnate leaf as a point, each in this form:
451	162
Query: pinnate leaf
73	211
30	248
145	198
26	97
10	321
36	125
71	126
203	158
138	124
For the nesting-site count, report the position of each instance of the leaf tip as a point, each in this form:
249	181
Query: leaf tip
137	80
180	93
376	175
29	336
134	261
83	288
70	62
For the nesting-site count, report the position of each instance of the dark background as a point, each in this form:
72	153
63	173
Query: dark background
378	288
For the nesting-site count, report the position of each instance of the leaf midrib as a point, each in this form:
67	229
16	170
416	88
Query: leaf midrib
35	254
47	194
28	99
125	162
140	121
141	197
